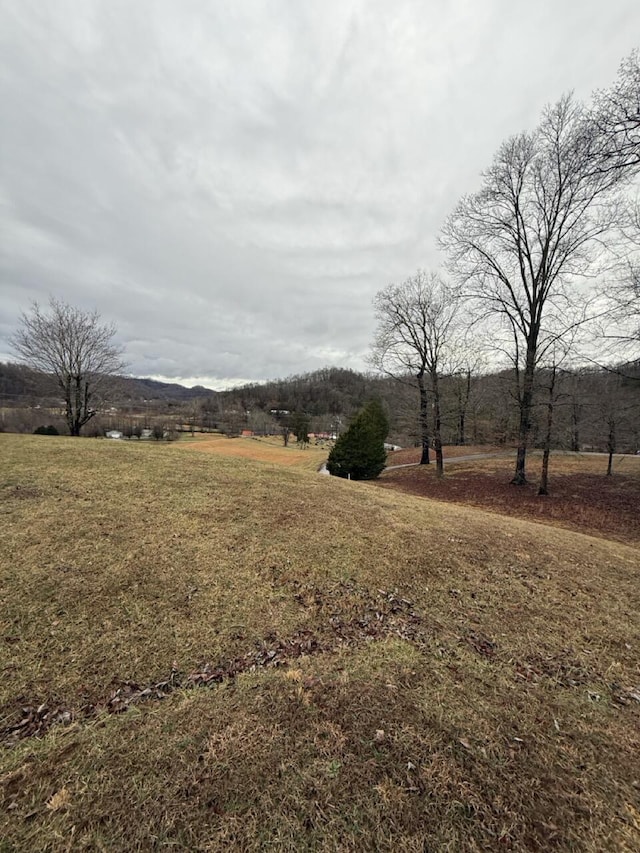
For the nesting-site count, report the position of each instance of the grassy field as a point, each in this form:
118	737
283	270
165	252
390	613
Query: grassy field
202	652
268	449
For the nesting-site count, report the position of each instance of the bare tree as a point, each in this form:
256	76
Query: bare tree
616	115
574	389
625	293
539	221
415	337
461	386
616	414
76	348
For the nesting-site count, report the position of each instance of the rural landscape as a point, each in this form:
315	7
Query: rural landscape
390	600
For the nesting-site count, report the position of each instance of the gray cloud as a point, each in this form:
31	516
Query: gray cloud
232	183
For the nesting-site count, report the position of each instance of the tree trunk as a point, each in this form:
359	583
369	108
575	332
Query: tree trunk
526	403
77	406
437	436
543	489
424	420
611	446
463	402
70	414
76	398
575	427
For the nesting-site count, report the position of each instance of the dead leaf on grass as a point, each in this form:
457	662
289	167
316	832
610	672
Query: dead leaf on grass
60	800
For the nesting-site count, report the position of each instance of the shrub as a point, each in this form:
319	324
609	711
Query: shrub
46	430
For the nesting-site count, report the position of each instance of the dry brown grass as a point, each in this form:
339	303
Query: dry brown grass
469	682
269	449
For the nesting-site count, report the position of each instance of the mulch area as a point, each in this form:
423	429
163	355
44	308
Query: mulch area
412	454
591	503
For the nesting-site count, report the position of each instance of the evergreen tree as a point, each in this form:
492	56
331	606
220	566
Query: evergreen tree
379	421
359	452
300	427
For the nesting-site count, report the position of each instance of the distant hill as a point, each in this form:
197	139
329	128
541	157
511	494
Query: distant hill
134	388
18	384
330	390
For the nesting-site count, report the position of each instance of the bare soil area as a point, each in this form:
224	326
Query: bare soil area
582	498
409	455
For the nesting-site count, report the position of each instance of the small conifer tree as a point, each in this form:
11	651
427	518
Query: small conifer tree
359	452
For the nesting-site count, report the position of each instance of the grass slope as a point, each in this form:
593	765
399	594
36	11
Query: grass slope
382	672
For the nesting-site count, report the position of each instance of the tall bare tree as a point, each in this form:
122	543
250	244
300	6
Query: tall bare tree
76	348
539	221
624	294
415	337
616	115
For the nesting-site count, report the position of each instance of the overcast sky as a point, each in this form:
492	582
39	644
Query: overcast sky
231	183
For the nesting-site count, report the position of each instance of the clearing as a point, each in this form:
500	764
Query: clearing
211	653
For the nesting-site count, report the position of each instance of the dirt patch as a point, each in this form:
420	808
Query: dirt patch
21	493
580	500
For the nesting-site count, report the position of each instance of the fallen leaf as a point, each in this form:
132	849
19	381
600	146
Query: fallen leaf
59	800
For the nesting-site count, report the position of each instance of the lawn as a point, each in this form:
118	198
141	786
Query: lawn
202	652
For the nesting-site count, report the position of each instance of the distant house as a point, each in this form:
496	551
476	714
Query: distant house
246	433
113	433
